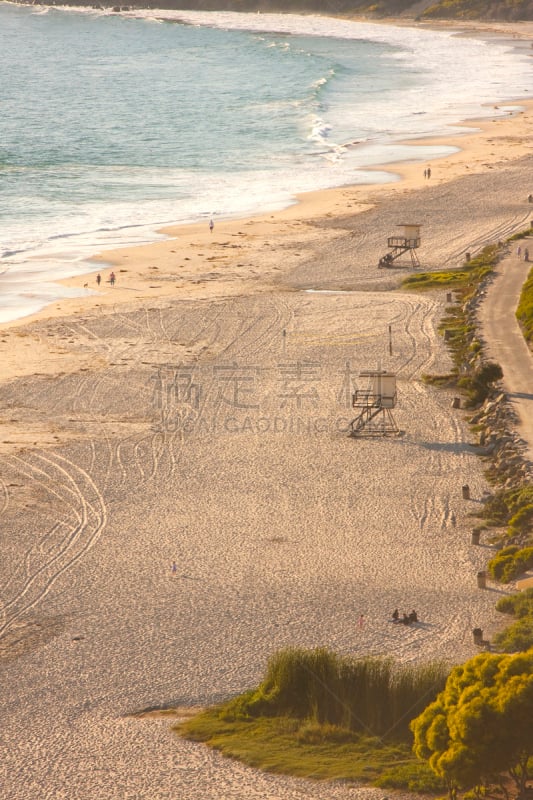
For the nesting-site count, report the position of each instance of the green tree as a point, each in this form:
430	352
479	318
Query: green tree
479	729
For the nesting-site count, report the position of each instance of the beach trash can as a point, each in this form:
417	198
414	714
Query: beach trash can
467	256
478	635
466	492
456	402
482	580
449	297
475	537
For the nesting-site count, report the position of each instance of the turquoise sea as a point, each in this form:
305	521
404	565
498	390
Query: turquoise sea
114	125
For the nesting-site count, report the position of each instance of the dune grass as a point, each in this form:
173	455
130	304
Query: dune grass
318	715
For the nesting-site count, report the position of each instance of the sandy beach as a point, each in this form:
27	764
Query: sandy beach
197	414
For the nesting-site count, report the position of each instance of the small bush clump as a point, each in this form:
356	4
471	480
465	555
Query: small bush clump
480	383
518	637
510	562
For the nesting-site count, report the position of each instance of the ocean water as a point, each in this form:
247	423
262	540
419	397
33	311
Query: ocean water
115	125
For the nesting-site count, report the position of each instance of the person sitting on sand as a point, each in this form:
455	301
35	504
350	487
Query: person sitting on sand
406	620
413	616
395	615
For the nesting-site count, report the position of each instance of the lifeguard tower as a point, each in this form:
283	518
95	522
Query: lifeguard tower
375	405
398	245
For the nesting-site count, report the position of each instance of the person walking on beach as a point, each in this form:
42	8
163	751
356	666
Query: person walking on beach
429	172
361	620
112	279
518	251
211	225
98	279
526	254
174	568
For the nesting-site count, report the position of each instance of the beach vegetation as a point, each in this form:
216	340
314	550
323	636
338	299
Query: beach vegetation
509	10
458	324
502	506
480	383
512	510
510	562
518	605
524	311
320	715
517	637
521	235
478	731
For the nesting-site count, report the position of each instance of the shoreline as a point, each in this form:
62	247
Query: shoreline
180	256
307	208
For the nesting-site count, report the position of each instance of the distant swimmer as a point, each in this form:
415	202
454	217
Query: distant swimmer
211	225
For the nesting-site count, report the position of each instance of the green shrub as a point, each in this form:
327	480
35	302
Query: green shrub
524	311
519	605
522	521
513	508
418	778
499	563
517	638
510	562
480	384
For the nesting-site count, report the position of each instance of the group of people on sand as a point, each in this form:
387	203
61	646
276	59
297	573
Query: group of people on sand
406	619
112	279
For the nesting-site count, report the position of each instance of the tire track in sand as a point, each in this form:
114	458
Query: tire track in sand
61	547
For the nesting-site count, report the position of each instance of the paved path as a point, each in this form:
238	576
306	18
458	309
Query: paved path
504	340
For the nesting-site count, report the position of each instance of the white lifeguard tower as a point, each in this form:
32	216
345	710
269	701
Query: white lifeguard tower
375	404
398	245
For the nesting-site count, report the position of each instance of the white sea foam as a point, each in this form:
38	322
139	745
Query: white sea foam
251	144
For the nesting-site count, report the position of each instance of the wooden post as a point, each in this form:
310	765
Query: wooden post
478	635
475	537
482	580
466	492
